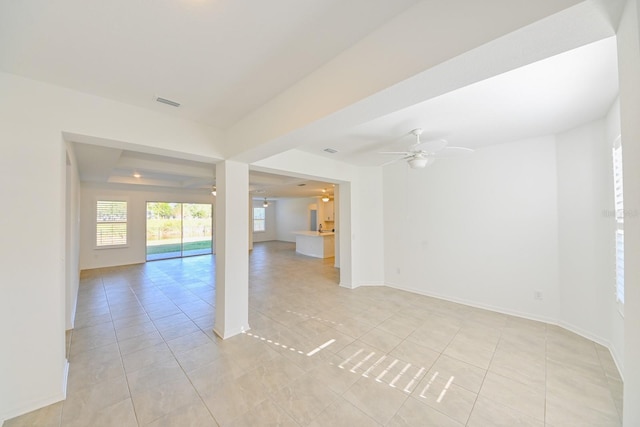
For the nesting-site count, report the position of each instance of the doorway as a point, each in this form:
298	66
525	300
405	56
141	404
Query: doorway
176	230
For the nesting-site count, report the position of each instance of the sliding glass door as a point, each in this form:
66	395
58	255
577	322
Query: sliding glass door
178	229
197	226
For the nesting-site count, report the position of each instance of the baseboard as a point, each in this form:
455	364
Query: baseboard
342	285
40	403
65	378
475	304
232	332
32	406
618	361
572	328
74	308
585	334
603	342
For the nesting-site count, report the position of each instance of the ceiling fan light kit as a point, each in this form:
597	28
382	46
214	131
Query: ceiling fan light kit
422	154
418	162
325	196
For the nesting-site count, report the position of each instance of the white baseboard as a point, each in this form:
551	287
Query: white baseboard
65	378
617	360
342	285
583	333
40	403
35	404
603	342
232	332
32	406
572	328
475	304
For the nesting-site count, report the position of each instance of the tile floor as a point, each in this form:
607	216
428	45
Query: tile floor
143	354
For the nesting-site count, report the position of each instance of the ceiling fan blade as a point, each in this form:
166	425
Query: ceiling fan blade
432	146
454	152
390	162
406	153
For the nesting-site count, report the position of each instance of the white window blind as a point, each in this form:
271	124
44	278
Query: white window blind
111	223
620	265
617	183
259	219
618	195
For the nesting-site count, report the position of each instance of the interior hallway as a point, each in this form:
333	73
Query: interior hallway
143	353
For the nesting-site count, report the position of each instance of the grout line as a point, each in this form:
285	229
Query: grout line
135	288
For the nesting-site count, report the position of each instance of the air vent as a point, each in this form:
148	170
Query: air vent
331	150
168	101
301	185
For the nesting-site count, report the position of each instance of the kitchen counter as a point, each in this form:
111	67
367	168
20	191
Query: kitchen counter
315	244
314	233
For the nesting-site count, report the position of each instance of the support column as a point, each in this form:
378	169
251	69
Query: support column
232	249
346	235
629	72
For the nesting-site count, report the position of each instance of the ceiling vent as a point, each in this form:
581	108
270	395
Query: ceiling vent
168	101
331	150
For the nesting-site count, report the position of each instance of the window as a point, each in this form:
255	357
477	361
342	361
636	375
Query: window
259	223
179	229
619	215
111	223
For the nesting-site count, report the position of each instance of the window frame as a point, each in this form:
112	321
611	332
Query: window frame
618	195
97	222
264	220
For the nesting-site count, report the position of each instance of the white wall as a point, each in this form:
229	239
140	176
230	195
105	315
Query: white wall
271	227
292	215
359	248
629	70
33	301
137	198
586	229
479	230
367	226
616	335
520	217
72	237
32	270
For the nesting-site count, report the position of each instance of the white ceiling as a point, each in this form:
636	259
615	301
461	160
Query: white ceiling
546	97
99	164
220	58
223	59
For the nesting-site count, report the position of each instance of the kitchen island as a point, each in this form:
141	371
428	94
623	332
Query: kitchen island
315	244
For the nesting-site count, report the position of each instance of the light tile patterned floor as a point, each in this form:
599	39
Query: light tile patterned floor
143	353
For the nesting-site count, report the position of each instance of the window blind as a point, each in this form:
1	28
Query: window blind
111	223
617	184
620	265
618	195
259	219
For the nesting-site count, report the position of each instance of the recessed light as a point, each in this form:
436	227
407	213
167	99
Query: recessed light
136	175
331	150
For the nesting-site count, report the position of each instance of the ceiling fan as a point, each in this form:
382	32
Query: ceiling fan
422	154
